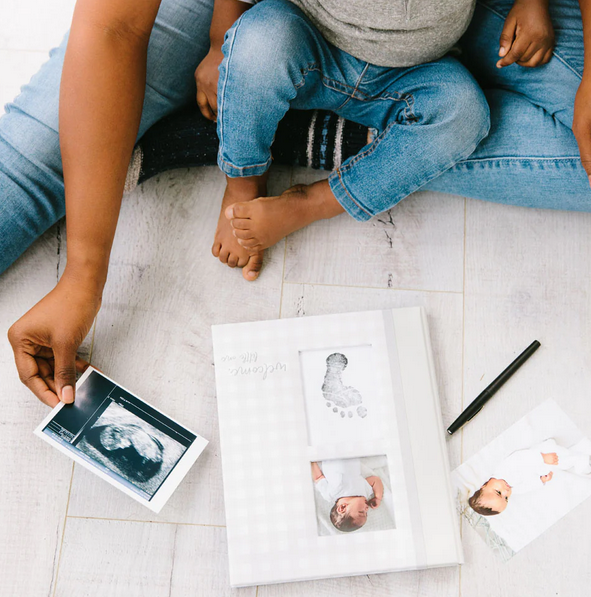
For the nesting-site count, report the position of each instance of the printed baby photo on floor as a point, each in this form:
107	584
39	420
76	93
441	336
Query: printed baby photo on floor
525	480
339	393
352	495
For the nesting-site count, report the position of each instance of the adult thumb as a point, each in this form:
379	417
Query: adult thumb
64	372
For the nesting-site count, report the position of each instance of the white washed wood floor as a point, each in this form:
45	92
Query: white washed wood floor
492	279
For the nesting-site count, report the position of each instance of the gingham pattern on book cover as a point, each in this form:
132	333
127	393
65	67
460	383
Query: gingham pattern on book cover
268	488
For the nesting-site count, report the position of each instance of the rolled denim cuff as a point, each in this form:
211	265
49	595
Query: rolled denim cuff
346	198
240	171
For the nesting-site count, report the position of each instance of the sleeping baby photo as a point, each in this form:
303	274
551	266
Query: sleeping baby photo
352	495
525	480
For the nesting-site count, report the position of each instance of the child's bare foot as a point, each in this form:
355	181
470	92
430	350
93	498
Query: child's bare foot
225	245
263	222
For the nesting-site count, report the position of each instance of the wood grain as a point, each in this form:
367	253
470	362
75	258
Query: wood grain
416	245
153	334
35	480
528	276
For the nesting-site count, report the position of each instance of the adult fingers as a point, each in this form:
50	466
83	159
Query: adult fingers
46	373
517	50
507	35
64	372
82	365
203	104
29	374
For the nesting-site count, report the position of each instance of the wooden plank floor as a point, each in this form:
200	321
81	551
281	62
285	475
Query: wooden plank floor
492	278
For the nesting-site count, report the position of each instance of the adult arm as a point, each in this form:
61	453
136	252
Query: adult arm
582	117
225	14
101	96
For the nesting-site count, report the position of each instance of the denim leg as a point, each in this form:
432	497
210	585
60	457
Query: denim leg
274	59
530	157
31	178
430	116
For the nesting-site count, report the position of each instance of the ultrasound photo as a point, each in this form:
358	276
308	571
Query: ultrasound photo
131	447
128	442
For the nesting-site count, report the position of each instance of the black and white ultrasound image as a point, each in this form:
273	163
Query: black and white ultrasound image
131	447
121	434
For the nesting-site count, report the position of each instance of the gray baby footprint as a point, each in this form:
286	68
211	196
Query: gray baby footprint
333	387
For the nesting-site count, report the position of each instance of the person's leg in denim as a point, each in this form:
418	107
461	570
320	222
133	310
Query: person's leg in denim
31	180
427	117
530	157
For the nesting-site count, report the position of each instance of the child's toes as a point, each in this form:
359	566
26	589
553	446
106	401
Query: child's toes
237	210
223	256
243	260
241	223
215	249
243	234
249	243
233	260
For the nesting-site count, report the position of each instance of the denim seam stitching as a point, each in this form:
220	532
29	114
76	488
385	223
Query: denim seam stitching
429	179
338	171
357	83
223	90
315	67
240	168
375	142
521	159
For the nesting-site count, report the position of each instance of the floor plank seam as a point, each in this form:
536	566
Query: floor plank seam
59	559
374	287
172	522
462	373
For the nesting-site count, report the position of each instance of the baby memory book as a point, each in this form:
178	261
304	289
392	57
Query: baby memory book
333	452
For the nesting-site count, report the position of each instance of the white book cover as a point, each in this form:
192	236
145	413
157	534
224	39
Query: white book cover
333	452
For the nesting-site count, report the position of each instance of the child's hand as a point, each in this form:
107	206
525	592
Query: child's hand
528	35
206	78
546	478
550	458
374	502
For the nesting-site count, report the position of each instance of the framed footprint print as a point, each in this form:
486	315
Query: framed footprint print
339	392
332	445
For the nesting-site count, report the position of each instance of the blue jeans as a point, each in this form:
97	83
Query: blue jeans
426	117
530	156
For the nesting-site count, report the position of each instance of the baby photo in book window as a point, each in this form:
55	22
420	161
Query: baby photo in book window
352	495
339	393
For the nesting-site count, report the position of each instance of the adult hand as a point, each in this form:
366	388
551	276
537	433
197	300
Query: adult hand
582	123
46	338
550	458
206	78
528	35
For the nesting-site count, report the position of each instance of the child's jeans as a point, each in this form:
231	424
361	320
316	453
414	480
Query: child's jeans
426	117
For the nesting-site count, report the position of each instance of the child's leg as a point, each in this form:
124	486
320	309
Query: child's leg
273	57
428	118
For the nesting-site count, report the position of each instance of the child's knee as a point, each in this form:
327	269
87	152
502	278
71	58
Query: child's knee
469	111
265	41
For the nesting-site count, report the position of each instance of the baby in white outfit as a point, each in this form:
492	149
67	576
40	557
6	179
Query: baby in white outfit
527	470
353	489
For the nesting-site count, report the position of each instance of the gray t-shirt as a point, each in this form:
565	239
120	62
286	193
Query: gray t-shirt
390	32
